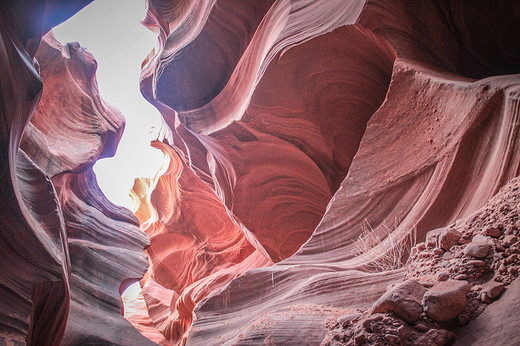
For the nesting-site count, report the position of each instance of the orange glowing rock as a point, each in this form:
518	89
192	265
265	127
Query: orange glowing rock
195	247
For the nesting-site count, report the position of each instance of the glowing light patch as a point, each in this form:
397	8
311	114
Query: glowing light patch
112	32
133	301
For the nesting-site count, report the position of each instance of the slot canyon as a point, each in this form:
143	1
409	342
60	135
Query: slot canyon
339	172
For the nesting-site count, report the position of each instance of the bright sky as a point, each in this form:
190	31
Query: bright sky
111	31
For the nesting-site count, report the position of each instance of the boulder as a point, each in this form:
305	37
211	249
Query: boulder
445	300
404	300
479	238
493	289
493	232
477	249
509	240
448	238
432	237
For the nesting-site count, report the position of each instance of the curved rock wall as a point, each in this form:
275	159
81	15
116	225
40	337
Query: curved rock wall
71	129
323	122
195	245
310	140
67	252
35	261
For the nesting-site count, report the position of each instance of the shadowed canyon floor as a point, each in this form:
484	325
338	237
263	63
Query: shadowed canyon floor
340	172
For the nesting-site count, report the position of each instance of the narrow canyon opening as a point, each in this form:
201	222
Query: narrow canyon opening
243	172
120	44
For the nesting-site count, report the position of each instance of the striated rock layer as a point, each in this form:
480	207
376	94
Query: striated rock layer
195	246
334	133
432	191
34	290
67	252
314	143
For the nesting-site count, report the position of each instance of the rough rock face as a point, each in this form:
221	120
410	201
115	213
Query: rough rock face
314	143
445	276
403	300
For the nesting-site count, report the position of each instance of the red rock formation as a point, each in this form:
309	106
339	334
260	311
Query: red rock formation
287	151
71	128
300	131
437	187
315	135
61	274
463	37
195	246
34	294
75	125
277	128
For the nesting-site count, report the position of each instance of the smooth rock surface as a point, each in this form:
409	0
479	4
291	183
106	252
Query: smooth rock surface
323	136
497	323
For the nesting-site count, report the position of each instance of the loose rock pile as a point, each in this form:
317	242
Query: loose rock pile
450	278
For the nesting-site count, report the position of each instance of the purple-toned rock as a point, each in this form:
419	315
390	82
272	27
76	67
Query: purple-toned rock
477	249
493	232
479	238
435	337
509	240
432	237
493	289
449	238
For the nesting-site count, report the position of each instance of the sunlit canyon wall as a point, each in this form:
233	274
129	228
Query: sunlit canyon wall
297	125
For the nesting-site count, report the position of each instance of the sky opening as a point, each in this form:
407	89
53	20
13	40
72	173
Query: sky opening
120	43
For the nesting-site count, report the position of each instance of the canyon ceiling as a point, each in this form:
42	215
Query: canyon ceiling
316	146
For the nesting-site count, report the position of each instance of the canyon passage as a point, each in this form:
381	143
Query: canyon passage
340	172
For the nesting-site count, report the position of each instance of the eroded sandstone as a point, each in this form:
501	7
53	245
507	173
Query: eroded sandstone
314	144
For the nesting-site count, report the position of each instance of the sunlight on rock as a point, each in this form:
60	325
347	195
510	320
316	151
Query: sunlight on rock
120	43
133	300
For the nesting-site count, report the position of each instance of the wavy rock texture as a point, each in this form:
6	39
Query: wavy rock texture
294	140
195	246
299	130
71	128
450	174
285	24
106	251
303	132
322	122
72	123
66	250
463	37
34	290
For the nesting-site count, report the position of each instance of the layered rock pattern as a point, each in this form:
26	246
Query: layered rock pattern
195	246
337	140
67	252
72	128
313	144
35	294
